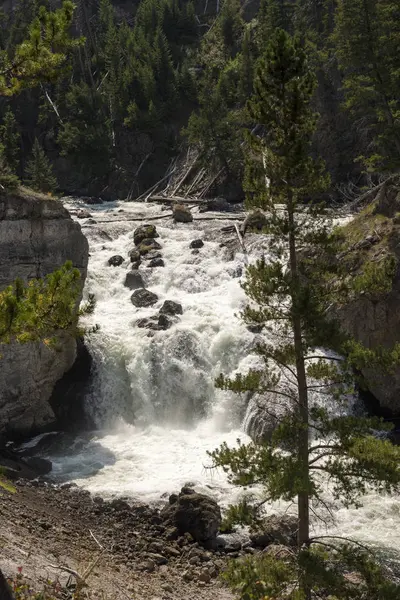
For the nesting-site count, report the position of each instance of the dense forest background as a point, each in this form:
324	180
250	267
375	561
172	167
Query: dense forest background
156	76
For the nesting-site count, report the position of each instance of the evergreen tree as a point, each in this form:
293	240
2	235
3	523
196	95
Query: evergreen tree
39	172
42	56
367	38
230	24
290	296
33	311
86	137
273	14
10	140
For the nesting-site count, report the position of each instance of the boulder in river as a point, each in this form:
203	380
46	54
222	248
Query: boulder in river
134	255
115	261
82	213
134	280
171	308
148	323
148	245
143	298
197	244
164	322
157	262
153	254
181	214
144	232
276	529
193	513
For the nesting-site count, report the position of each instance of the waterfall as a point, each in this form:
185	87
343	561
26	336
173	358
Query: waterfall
153	397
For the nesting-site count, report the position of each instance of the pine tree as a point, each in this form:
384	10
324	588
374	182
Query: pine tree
42	56
39	172
290	296
33	311
367	38
273	14
10	139
230	24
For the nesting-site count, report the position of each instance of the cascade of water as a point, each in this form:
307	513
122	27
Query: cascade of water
153	398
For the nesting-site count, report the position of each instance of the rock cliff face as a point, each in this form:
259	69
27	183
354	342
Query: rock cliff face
374	319
37	236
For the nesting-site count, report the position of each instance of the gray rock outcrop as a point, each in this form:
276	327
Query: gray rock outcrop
276	530
37	236
193	513
374	318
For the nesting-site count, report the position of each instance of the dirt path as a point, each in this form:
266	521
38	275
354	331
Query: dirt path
47	526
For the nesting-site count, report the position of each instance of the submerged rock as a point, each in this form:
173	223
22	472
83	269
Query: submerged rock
164	322
148	323
134	280
144	232
115	261
82	213
181	214
193	513
157	262
171	308
134	256
143	298
196	244
153	254
147	246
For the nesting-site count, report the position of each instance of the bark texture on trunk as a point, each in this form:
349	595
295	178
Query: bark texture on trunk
303	533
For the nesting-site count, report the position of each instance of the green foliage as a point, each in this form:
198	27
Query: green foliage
8	181
35	311
39	173
136	82
333	572
10	140
42	56
291	296
367	42
5	484
377	277
87	135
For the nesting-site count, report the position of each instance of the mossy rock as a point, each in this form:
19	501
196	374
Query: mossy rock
144	232
147	246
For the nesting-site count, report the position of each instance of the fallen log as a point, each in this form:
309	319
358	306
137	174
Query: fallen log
176	199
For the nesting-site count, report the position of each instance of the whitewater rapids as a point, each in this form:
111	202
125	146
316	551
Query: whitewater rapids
153	398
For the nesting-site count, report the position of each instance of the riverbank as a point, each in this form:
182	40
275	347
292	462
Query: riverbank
47	529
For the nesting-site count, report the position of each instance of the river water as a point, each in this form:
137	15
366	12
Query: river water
153	399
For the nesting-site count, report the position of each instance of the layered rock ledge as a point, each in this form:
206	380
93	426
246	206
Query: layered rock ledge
37	236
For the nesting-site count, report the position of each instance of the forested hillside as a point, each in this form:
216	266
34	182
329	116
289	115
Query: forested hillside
146	79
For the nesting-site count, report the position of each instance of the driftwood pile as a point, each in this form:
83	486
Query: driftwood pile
185	182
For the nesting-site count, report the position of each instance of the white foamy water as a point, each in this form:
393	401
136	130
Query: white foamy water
153	397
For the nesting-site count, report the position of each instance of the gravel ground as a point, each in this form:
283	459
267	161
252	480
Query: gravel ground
44	527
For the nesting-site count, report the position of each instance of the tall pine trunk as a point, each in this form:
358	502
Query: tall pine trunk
303	533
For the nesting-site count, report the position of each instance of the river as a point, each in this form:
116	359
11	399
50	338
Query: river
153	400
